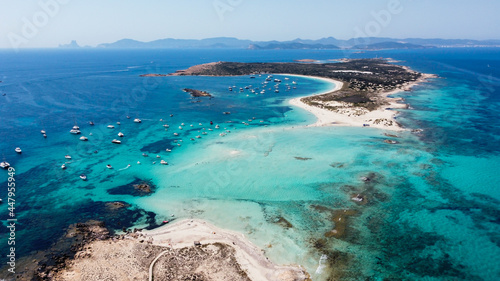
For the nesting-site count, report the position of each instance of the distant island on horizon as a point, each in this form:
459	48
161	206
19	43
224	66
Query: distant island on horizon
329	43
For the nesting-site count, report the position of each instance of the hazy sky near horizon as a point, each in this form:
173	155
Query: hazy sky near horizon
48	23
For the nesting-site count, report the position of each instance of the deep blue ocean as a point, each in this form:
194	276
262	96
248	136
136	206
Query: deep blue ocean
433	208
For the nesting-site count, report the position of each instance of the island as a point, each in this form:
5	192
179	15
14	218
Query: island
361	90
197	93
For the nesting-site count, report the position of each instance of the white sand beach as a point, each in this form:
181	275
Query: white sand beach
250	257
383	118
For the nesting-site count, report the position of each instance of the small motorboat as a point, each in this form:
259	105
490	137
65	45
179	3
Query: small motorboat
198	137
138	162
211	123
145	155
83	177
84	138
18	150
158	156
43	132
4	165
171	115
111	126
109	166
67	157
217	127
91	123
204	133
137	120
163	162
168	150
176	134
118	123
192	139
226	112
63	166
74	131
128	117
120	134
191	125
116	141
90	134
76	127
182	124
180	127
45	135
166	126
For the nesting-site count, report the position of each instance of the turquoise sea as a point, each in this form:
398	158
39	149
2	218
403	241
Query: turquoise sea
432	208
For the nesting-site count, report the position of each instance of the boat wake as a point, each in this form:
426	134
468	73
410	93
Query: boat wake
128	166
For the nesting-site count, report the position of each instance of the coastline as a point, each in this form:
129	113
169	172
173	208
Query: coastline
182	248
381	118
250	257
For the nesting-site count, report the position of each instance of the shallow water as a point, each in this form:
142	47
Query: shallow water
430	210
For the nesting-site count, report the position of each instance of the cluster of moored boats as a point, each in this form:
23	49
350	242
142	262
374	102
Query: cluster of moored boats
264	86
76	131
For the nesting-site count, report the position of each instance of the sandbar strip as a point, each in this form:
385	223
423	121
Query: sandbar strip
250	257
382	118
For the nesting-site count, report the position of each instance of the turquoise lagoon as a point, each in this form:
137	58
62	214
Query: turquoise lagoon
432	205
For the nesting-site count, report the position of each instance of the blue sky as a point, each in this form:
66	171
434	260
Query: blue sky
47	23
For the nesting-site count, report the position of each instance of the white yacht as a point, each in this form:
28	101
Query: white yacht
84	138
83	177
75	131
111	126
163	162
137	120
76	127
120	134
18	150
43	132
116	141
67	157
4	165
63	166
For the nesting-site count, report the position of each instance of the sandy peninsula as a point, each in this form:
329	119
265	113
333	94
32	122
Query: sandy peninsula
361	96
184	250
347	115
